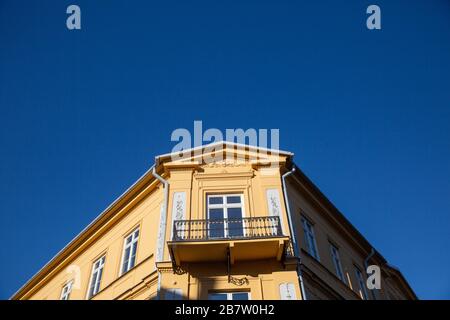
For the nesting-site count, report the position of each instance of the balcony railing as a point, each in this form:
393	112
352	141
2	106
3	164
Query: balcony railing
231	228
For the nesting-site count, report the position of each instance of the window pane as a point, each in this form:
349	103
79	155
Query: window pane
234	213
217	296
126	258
133	255
216	214
173	294
215	200
240	296
216	224
92	287
91	290
362	285
125	266
311	243
134	248
234	199
99	280
235	228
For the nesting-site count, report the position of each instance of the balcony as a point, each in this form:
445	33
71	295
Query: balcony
232	239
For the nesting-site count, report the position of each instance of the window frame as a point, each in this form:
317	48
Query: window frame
307	223
335	255
98	276
361	284
225	206
230	294
134	239
65	294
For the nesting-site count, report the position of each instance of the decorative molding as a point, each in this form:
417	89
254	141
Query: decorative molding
287	291
238	281
179	270
228	175
178	208
227	163
274	205
165	269
273	202
160	242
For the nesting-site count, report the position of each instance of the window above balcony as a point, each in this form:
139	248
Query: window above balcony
225	213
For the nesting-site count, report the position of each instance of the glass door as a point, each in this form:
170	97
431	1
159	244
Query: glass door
229	296
225	214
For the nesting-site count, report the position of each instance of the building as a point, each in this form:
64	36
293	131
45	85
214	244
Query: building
225	221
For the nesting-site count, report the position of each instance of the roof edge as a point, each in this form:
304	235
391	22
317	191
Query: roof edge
79	236
223	143
65	250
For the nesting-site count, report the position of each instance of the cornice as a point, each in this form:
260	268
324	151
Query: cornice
104	222
224	174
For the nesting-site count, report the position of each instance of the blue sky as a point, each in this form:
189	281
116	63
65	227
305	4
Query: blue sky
367	113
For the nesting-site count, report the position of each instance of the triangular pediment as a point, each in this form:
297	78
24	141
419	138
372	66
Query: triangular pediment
224	154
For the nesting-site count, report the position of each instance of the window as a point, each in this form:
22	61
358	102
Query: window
337	262
229	296
225	216
362	284
129	252
173	294
96	277
310	239
66	290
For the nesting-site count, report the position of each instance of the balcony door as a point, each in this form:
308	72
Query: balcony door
225	213
229	296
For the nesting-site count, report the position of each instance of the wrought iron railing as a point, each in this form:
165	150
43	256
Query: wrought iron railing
231	228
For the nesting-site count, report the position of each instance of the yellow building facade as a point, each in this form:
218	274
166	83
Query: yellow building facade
225	221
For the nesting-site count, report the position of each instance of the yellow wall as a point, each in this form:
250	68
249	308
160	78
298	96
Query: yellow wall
141	207
145	215
262	278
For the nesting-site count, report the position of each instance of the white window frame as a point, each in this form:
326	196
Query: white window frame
310	238
230	295
66	290
96	277
362	284
134	236
225	206
335	256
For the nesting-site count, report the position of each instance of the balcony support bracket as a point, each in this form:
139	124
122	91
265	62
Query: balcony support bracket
229	264
174	261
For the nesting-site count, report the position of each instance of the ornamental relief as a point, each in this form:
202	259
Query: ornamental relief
226	163
179	205
273	202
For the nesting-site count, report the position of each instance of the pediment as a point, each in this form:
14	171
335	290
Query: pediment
224	154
